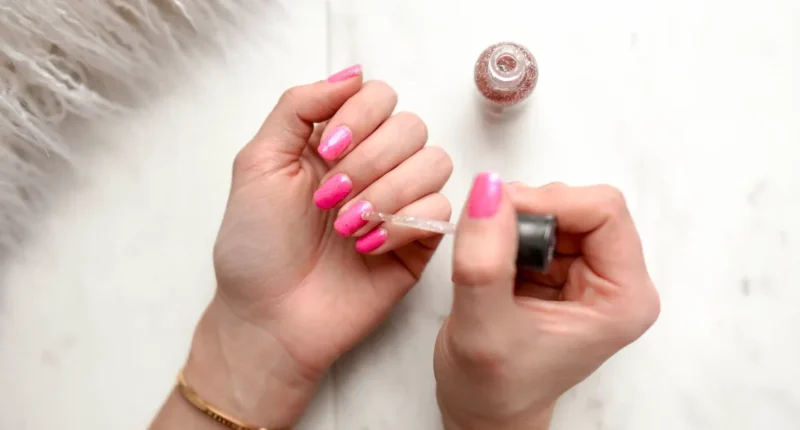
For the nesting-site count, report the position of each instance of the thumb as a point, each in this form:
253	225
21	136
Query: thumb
286	131
485	251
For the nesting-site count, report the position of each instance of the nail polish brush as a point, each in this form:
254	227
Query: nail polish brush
537	234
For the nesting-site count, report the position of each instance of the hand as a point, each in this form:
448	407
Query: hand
295	291
515	342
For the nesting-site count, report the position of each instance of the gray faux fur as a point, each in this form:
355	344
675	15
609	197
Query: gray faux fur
54	54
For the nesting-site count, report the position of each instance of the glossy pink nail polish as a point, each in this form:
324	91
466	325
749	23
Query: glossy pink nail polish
371	241
486	194
506	74
335	143
350	72
350	220
333	191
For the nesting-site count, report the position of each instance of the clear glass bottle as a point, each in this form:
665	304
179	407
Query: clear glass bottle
506	73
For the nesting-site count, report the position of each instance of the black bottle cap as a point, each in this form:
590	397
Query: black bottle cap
537	241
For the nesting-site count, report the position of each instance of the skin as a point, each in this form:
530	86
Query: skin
515	342
293	295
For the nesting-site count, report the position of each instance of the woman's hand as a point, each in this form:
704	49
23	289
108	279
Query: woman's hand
295	288
515	342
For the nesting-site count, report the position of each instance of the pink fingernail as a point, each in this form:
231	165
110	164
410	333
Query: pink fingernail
333	191
486	194
335	143
350	72
371	241
350	221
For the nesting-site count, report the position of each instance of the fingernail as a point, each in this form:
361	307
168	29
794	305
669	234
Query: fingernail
350	72
484	199
350	221
335	143
371	241
330	193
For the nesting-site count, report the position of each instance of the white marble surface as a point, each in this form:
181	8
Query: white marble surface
690	107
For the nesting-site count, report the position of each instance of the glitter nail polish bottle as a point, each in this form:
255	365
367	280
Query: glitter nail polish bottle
506	74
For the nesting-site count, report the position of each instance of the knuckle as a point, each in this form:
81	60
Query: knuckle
482	355
371	155
612	199
440	159
253	160
414	126
651	310
397	192
243	161
409	119
527	194
471	271
446	160
479	354
644	313
554	185
516	190
385	90
290	96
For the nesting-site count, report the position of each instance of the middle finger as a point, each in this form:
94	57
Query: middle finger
422	174
397	139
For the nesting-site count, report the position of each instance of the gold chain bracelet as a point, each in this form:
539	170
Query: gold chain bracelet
192	397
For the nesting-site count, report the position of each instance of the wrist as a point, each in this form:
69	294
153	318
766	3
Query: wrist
531	420
539	423
242	370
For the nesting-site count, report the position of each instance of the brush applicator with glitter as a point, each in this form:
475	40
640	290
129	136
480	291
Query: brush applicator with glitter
536	235
506	74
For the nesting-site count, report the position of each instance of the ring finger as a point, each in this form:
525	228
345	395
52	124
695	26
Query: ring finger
388	237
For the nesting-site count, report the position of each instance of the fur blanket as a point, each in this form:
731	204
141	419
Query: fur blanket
58	57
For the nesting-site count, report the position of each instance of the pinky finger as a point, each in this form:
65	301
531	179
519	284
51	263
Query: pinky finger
388	237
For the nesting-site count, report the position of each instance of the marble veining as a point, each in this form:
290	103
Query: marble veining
692	113
641	96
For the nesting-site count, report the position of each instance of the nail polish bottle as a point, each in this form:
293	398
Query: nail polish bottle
506	73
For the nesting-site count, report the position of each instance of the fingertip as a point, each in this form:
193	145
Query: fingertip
371	241
485	242
489	201
523	195
485	196
347	74
335	143
333	191
350	220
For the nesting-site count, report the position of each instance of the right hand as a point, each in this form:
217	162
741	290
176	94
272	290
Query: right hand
515	342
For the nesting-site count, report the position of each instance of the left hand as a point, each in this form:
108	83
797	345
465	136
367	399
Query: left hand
295	291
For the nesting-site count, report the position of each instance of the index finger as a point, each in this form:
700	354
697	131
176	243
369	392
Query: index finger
610	243
286	131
